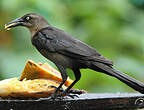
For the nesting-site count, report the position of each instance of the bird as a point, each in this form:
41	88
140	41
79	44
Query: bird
67	52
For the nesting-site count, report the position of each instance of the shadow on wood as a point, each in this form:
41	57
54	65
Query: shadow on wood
119	101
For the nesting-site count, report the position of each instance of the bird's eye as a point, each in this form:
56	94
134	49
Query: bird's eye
27	18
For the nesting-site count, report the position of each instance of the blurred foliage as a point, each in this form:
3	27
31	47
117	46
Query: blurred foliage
113	27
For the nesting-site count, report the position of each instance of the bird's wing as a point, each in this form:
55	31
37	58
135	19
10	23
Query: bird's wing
55	40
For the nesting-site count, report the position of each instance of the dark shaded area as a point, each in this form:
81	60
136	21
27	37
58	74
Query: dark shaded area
138	4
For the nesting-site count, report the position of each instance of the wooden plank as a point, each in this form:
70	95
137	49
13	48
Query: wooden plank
89	101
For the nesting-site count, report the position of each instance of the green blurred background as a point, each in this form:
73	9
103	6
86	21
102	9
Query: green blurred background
114	27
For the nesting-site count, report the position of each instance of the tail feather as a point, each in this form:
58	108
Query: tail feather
131	82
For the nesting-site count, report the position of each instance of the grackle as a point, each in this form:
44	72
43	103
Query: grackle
66	51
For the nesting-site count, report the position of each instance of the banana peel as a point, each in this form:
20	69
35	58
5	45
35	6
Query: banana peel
37	80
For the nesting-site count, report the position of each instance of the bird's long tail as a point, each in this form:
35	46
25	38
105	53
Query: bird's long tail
133	83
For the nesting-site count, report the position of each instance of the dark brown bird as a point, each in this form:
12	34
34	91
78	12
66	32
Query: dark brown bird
67	52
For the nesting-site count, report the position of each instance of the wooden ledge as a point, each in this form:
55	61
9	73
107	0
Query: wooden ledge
89	101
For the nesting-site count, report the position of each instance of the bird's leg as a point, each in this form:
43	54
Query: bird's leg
64	78
77	76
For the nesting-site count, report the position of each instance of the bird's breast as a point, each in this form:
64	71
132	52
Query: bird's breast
57	58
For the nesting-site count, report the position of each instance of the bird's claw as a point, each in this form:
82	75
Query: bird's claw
52	86
55	96
72	96
62	93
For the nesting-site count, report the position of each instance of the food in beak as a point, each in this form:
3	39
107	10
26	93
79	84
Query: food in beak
8	26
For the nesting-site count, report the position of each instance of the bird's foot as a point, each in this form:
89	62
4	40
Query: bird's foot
62	96
72	93
57	94
76	91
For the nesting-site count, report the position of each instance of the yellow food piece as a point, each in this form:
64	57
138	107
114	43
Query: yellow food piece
7	26
36	81
33	70
27	88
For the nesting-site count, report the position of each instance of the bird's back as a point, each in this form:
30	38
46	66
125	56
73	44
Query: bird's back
57	41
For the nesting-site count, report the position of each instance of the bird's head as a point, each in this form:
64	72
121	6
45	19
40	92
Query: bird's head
32	21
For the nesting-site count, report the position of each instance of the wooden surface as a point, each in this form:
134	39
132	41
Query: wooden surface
119	101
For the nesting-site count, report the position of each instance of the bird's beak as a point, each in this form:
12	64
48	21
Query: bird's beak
14	23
